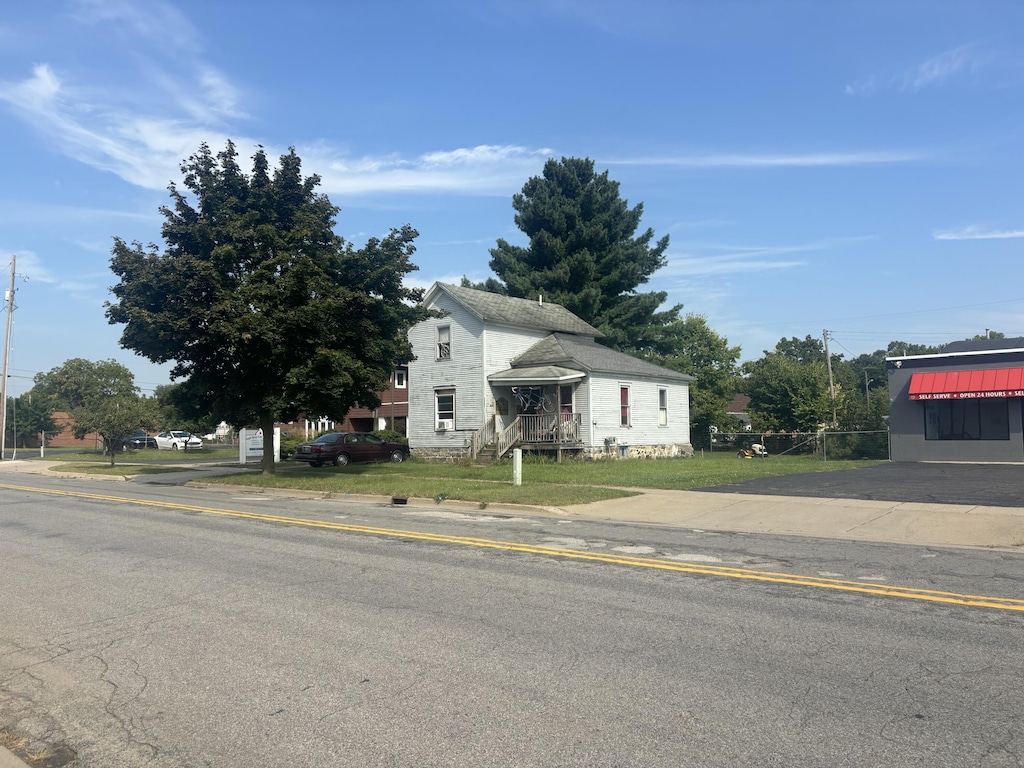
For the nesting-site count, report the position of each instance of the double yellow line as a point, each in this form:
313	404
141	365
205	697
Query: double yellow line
909	593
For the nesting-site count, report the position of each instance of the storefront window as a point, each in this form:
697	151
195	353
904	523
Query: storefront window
987	419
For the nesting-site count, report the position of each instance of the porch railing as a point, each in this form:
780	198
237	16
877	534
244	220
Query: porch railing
537	429
483	437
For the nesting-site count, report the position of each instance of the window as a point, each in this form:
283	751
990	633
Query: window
400	378
662	407
565	397
444	408
624	406
967	419
444	342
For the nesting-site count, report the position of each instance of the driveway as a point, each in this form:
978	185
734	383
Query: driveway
991	485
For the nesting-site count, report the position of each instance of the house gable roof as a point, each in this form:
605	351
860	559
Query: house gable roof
586	354
520	313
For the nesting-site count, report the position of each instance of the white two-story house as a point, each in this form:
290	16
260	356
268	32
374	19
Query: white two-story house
494	373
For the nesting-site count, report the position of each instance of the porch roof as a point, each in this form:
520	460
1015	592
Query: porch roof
536	374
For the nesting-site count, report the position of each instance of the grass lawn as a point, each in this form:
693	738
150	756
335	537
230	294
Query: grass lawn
225	453
545	483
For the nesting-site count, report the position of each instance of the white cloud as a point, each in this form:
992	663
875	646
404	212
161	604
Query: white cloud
154	21
938	69
807	160
28	266
25	211
144	151
934	72
486	169
976	233
744	259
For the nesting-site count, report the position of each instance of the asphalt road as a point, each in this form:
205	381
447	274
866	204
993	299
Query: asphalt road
193	628
992	485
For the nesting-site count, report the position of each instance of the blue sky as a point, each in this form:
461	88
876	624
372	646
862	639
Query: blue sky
855	166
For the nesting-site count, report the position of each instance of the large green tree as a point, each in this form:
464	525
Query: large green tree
265	312
100	397
584	253
28	416
787	394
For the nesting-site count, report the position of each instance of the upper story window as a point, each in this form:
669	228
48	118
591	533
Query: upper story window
444	342
401	378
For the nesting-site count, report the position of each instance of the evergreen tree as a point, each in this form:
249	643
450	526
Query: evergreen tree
584	254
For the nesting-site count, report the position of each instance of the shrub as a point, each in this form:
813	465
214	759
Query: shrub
390	436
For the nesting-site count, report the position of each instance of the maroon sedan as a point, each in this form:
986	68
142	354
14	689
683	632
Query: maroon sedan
343	448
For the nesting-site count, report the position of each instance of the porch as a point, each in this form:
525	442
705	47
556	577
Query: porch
548	432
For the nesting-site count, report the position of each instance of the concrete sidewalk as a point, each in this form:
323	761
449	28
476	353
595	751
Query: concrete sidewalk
898	522
947	525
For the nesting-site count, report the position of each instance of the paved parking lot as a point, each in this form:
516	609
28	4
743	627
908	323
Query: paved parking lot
992	485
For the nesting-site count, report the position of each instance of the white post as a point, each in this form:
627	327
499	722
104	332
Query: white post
517	466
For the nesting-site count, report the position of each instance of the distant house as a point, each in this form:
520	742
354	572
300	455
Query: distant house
393	412
496	373
737	409
965	403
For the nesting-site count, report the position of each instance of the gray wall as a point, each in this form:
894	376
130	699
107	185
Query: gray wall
906	418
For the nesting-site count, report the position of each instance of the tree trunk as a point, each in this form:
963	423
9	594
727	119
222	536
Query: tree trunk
269	459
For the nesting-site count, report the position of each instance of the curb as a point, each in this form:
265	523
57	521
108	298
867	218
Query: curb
10	760
390	501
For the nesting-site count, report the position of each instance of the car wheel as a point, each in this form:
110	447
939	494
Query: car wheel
397	457
341	460
174	446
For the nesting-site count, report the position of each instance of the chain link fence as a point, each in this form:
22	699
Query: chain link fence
829	445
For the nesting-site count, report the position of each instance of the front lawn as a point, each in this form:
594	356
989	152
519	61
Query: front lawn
545	483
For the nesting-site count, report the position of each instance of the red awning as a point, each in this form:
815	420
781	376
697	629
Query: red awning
964	385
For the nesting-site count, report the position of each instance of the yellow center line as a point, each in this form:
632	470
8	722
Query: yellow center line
910	593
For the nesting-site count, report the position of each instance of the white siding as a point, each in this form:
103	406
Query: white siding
643	429
501	345
461	372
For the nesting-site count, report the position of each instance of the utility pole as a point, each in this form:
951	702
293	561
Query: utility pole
831	383
7	350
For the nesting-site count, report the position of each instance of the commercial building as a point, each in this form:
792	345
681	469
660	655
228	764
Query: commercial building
961	404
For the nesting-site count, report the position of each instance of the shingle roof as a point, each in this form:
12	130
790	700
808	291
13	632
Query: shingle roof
585	353
522	313
983	345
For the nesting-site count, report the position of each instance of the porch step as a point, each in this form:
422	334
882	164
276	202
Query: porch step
487	455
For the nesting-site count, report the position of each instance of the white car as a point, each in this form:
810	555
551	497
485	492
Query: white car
176	440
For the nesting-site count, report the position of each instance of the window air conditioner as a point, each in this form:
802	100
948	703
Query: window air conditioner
443	424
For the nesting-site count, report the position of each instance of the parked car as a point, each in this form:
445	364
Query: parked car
138	440
342	448
177	440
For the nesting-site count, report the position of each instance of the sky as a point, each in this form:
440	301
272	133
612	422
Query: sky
855	167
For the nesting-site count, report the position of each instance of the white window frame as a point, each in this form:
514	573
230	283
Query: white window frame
443	346
401	378
662	407
445	423
625	409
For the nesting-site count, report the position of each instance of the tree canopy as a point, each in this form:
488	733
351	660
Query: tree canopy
100	397
689	345
584	253
264	310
